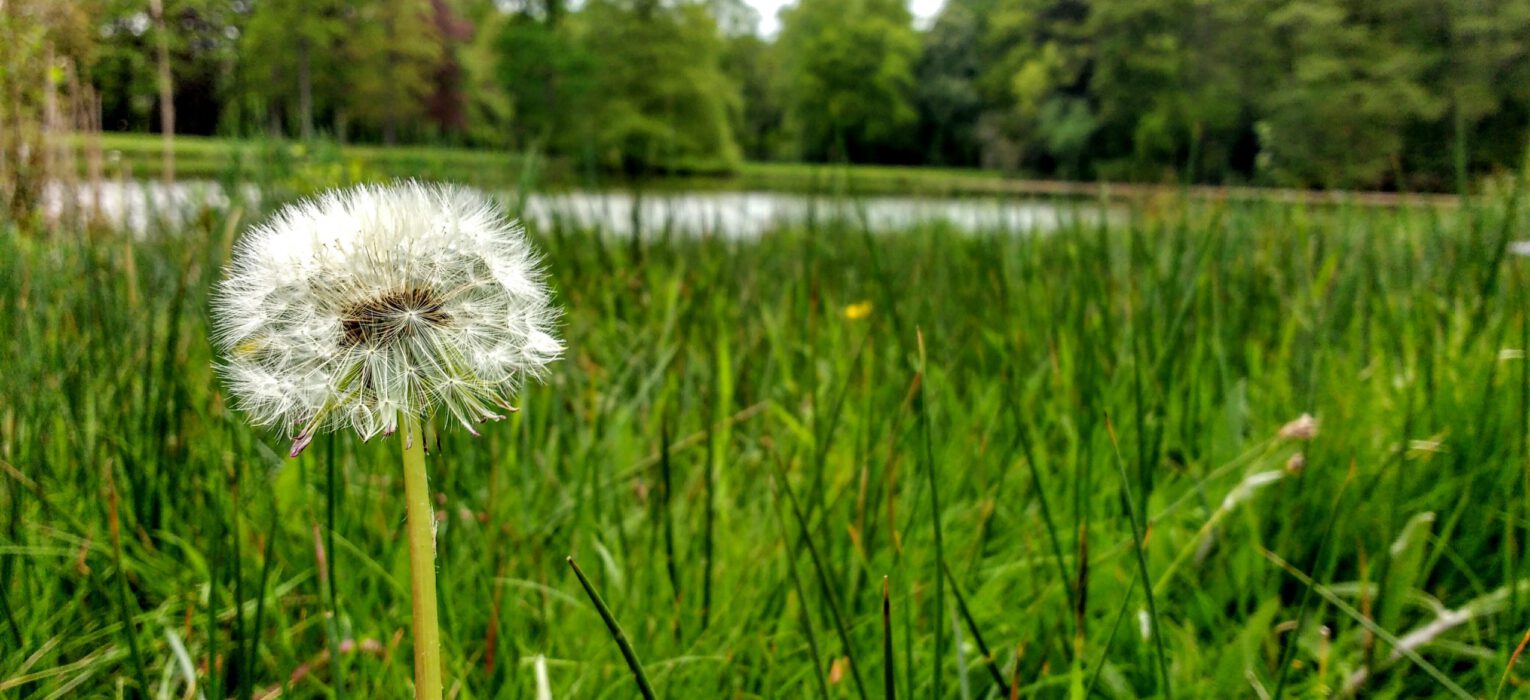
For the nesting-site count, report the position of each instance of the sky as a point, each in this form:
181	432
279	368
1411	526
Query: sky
924	11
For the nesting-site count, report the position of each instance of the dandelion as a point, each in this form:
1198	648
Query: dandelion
376	309
368	306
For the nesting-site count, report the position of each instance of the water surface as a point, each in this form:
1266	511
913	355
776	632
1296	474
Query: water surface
138	204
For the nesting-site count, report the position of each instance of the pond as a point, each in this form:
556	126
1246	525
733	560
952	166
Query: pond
135	204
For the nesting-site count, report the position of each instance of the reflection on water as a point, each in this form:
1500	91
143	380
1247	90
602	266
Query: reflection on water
136	205
750	214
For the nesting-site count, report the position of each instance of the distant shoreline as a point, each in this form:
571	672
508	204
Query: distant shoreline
138	156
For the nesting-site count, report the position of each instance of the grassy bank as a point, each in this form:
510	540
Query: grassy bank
141	156
306	166
838	408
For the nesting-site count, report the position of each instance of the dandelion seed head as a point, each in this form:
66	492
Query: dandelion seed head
345	310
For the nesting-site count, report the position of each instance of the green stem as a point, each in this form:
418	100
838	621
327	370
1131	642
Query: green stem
422	564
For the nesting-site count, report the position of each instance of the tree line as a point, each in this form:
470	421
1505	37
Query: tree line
1391	94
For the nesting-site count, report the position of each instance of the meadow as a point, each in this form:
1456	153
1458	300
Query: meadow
828	462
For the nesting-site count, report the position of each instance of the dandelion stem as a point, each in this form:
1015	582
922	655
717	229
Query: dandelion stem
422	563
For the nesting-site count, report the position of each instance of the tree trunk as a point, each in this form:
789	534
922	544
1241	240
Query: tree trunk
305	90
166	94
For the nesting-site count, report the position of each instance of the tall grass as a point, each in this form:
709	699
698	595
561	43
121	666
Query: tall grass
737	463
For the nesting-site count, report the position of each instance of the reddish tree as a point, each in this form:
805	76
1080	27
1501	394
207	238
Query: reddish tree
446	106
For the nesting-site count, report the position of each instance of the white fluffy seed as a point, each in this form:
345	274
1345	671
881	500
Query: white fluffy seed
345	310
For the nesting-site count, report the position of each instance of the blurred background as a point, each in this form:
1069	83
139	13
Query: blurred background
1409	95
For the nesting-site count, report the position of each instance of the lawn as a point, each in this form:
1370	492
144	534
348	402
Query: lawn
824	463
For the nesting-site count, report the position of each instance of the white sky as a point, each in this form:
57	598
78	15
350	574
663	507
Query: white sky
924	11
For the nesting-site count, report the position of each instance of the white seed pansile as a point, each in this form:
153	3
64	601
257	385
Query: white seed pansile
351	308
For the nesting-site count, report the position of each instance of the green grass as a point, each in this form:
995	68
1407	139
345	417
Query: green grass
301	168
1074	394
318	164
141	156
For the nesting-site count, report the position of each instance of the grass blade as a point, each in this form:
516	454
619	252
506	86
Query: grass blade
889	670
616	633
807	621
1022	435
1140	549
1301	610
1508	668
671	567
823	582
1110	639
977	635
1365	621
269	559
929	470
129	629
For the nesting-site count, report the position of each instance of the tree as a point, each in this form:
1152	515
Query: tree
391	52
1338	116
485	104
547	77
663	98
848	78
751	64
447	105
1483	75
1176	82
41	39
1036	81
201	45
290	48
947	94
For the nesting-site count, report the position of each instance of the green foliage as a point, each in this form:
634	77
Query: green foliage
486	102
392	50
751	64
1358	79
1289	92
1407	95
848	73
626	85
1035	85
547	76
946	87
1174	84
662	99
288	42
